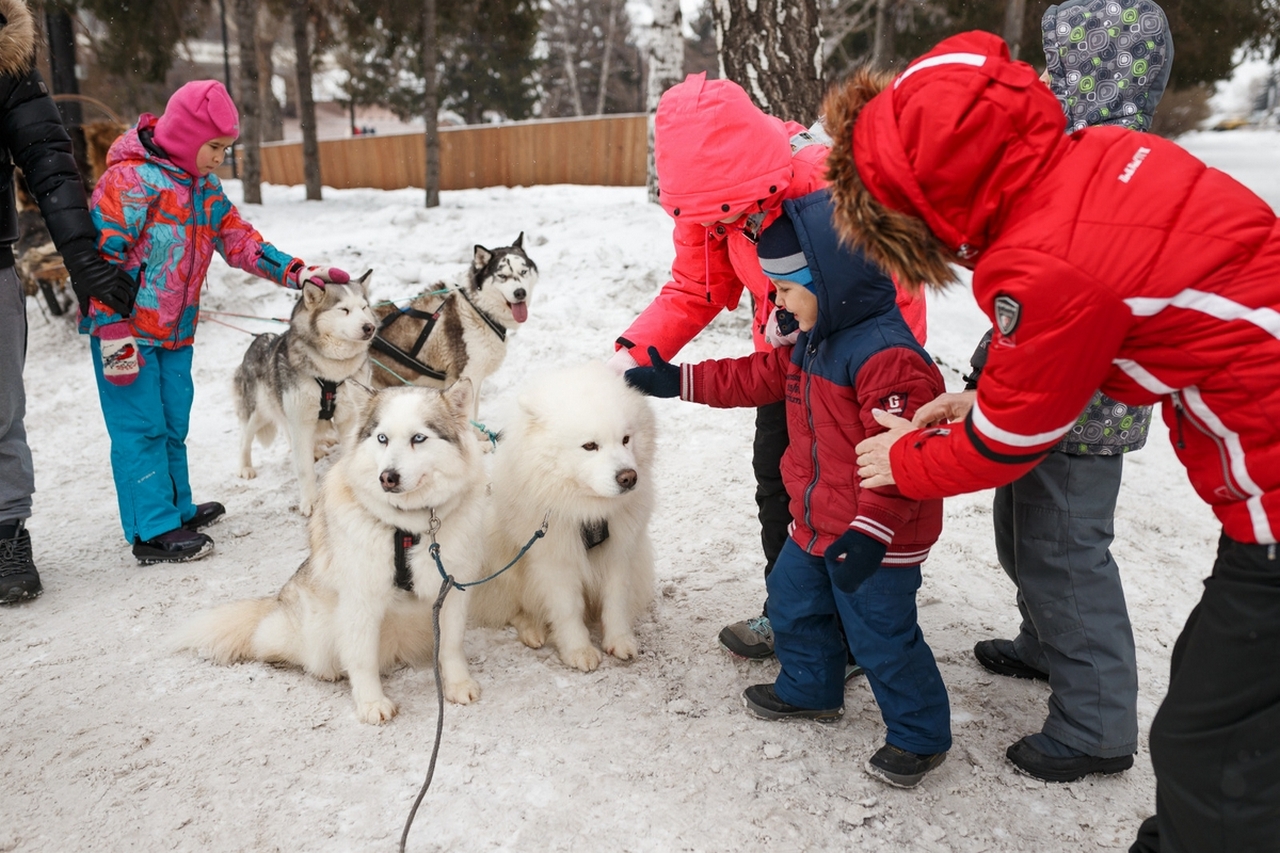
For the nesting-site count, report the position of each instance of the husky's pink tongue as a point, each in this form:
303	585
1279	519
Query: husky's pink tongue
519	311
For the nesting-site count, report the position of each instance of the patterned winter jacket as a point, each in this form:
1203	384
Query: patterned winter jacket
859	355
162	226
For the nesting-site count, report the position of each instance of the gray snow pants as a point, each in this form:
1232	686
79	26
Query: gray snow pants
1053	529
17	481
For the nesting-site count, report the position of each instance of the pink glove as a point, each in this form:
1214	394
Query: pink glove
320	276
121	359
781	335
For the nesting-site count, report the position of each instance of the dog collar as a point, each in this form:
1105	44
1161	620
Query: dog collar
328	398
498	329
594	532
404	541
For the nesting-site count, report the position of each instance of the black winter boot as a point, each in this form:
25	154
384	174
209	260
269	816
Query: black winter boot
19	580
176	546
206	514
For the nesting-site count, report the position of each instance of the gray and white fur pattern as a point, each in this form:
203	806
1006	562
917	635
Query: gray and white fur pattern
275	385
410	465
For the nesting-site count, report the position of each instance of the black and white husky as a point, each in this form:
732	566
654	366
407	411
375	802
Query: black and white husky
298	380
439	338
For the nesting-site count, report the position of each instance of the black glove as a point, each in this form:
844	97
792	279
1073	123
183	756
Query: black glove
862	556
661	380
92	275
977	362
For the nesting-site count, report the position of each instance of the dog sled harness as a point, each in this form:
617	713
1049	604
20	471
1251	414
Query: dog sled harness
404	541
409	359
328	398
498	329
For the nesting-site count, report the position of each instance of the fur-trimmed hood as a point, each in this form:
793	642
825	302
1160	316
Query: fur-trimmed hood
925	166
17	38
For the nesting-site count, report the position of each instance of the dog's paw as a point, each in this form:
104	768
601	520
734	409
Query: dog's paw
585	658
622	648
530	631
248	472
376	712
462	692
324	447
305	506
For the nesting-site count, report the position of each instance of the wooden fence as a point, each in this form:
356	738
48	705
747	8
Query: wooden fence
608	150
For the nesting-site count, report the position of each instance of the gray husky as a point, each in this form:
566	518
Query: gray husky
299	379
439	338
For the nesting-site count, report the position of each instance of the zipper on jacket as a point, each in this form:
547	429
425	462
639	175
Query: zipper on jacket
1224	458
813	452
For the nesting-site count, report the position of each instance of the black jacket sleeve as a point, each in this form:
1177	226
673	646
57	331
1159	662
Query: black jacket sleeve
31	128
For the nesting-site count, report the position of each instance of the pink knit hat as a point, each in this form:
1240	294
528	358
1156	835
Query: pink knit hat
199	111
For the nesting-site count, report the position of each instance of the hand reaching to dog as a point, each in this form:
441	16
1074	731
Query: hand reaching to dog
320	276
873	452
660	380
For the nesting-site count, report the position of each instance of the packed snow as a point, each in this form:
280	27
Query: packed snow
111	741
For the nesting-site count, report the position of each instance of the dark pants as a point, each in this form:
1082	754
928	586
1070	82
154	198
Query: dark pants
883	634
771	495
17	481
1215	742
1054	527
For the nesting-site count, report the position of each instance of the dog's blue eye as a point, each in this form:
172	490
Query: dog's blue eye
590	445
382	439
418	439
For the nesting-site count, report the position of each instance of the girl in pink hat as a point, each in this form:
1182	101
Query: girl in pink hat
161	214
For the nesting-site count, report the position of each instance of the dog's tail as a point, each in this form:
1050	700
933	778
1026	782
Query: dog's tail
226	633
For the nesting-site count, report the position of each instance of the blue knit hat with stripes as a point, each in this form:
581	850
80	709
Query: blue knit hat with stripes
781	255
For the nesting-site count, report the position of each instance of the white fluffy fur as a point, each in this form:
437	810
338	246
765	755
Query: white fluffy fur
341	613
576	434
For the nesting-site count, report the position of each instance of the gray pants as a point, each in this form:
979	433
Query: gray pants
16	479
1053	528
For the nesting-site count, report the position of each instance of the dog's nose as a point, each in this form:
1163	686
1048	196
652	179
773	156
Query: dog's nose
519	295
367	328
390	480
627	479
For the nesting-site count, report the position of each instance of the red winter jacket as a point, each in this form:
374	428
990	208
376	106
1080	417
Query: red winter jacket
860	355
1107	258
718	155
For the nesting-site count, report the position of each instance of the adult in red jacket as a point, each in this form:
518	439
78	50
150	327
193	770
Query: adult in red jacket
724	169
1109	259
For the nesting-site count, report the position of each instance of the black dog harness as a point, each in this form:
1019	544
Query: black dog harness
328	397
409	359
594	532
498	329
404	541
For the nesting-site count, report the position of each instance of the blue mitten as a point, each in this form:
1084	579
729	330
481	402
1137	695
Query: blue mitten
660	380
862	556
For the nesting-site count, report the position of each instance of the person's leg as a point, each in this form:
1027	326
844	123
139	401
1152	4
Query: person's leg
1069	587
17	480
177	391
885	637
135	420
1215	741
806	639
771	494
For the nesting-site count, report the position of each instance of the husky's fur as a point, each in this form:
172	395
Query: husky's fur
275	385
580	452
498	283
410	465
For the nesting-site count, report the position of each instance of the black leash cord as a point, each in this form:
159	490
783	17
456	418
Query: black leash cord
435	750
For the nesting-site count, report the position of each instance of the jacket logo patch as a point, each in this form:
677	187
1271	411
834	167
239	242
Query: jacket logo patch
1138	157
1008	314
895	403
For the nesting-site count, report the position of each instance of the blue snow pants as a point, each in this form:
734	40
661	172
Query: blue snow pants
883	634
147	421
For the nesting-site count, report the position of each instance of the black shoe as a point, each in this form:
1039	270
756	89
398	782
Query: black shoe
750	638
206	514
998	657
900	768
176	546
764	703
1048	768
19	580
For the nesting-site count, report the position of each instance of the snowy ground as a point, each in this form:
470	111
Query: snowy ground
111	742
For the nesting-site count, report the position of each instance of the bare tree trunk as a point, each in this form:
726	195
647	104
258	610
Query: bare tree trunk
882	48
300	11
666	68
572	74
1015	12
610	29
773	49
431	107
246	12
272	122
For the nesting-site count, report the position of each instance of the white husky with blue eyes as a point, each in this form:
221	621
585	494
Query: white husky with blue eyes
410	472
578	453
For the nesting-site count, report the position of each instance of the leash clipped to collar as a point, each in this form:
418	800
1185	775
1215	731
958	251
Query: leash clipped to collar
328	398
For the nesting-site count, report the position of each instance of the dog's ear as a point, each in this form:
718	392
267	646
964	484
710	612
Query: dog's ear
481	257
519	243
459	395
312	295
363	281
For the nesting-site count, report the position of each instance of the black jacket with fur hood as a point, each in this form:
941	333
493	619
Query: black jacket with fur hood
32	137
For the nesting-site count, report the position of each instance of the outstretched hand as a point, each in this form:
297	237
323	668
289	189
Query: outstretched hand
660	380
873	452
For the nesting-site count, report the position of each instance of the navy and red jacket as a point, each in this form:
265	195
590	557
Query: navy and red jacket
859	355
